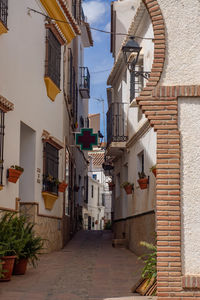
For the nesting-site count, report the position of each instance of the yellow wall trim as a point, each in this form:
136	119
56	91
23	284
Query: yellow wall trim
49	200
52	89
54	11
3	29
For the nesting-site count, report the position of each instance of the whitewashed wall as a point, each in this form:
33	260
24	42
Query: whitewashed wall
22	62
189	124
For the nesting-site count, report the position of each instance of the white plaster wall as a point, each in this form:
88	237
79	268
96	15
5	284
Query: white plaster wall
142	200
22	82
189	124
182	41
125	11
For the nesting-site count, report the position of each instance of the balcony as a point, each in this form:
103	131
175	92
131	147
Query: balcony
116	127
84	87
3	16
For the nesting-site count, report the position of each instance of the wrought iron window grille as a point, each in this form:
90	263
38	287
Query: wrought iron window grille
4	12
53	58
50	174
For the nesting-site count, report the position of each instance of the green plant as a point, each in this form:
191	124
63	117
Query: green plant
152	168
126	183
17	237
18	168
108	225
150	260
142	175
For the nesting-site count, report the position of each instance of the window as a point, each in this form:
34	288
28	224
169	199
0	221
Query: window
2	127
50	168
141	162
94	176
136	81
103	199
53	58
92	191
4	12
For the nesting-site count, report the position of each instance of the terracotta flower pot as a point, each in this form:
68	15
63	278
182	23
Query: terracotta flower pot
13	175
7	267
111	186
143	183
154	172
62	187
128	189
20	266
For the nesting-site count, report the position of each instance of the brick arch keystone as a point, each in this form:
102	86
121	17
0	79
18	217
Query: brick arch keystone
160	106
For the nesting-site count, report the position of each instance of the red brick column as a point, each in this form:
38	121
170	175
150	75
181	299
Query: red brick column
160	105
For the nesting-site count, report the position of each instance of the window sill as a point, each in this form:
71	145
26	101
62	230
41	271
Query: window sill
3	28
52	89
49	200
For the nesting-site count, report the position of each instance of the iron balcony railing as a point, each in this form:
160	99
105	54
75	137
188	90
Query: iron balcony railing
4	11
117	122
84	87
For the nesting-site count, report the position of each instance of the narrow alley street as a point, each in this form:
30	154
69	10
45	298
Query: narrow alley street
87	268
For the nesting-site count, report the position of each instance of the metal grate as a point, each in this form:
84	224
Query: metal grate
117	122
51	162
2	128
4	11
84	82
136	82
53	58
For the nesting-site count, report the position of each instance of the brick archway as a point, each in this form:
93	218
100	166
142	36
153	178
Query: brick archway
160	106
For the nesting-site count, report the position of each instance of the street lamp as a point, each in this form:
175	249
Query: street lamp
131	51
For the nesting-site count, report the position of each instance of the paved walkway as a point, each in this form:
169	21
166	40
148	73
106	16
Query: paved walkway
88	268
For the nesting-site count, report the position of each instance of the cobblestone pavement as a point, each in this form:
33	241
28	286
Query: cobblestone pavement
88	268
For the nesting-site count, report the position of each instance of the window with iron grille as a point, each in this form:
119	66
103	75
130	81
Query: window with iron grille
50	173
4	12
70	75
2	128
53	58
136	82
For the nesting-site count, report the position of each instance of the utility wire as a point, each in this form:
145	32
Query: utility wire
102	71
93	28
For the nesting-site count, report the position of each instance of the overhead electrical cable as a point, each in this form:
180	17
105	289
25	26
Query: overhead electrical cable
92	28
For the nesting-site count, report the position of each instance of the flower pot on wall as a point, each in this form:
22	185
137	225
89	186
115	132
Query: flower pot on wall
20	266
128	189
111	186
13	175
154	172
143	182
7	267
62	187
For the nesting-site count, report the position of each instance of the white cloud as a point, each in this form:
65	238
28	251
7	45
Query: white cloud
95	11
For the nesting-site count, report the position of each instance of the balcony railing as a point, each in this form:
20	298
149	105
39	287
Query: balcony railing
117	122
4	11
84	87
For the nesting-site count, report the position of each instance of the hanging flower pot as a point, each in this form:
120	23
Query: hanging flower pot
143	180
62	187
153	170
7	267
20	266
111	186
129	187
14	172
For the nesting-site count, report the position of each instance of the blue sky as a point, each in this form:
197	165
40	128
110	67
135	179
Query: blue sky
98	58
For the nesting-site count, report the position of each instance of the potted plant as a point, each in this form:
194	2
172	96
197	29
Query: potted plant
153	170
111	185
31	247
50	191
14	172
143	180
129	187
62	186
